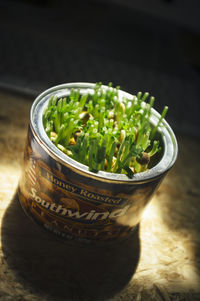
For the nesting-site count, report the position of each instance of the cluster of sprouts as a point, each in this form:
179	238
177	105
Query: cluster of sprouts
104	131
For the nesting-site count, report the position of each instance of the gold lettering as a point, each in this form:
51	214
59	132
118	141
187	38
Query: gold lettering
103	215
53	207
119	212
45	204
68	227
62	211
76	214
73	189
90	214
83	192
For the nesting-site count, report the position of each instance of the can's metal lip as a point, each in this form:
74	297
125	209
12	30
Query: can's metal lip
168	138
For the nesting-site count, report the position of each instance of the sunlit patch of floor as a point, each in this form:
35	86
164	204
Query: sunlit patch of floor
9	178
168	254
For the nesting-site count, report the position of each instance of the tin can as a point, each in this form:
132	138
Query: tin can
64	197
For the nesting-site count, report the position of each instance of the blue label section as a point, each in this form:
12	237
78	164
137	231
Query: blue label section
80	191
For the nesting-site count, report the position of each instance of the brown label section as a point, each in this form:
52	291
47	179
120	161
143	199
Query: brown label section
80	191
55	198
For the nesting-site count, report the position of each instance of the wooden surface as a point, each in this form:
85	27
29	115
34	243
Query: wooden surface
161	261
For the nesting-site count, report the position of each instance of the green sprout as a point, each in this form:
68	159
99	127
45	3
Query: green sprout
103	131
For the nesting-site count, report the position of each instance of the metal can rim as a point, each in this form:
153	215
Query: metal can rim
168	137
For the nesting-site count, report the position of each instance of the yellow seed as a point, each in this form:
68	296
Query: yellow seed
84	116
105	164
53	134
68	152
144	159
78	133
72	141
61	147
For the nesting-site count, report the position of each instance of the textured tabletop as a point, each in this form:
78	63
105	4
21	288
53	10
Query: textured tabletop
161	261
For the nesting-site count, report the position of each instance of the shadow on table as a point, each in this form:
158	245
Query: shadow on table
52	267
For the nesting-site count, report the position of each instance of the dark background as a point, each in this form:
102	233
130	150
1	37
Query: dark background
147	45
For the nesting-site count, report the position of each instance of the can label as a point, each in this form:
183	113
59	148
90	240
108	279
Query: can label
55	197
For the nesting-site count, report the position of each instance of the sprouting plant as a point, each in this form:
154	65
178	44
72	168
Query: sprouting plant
103	131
